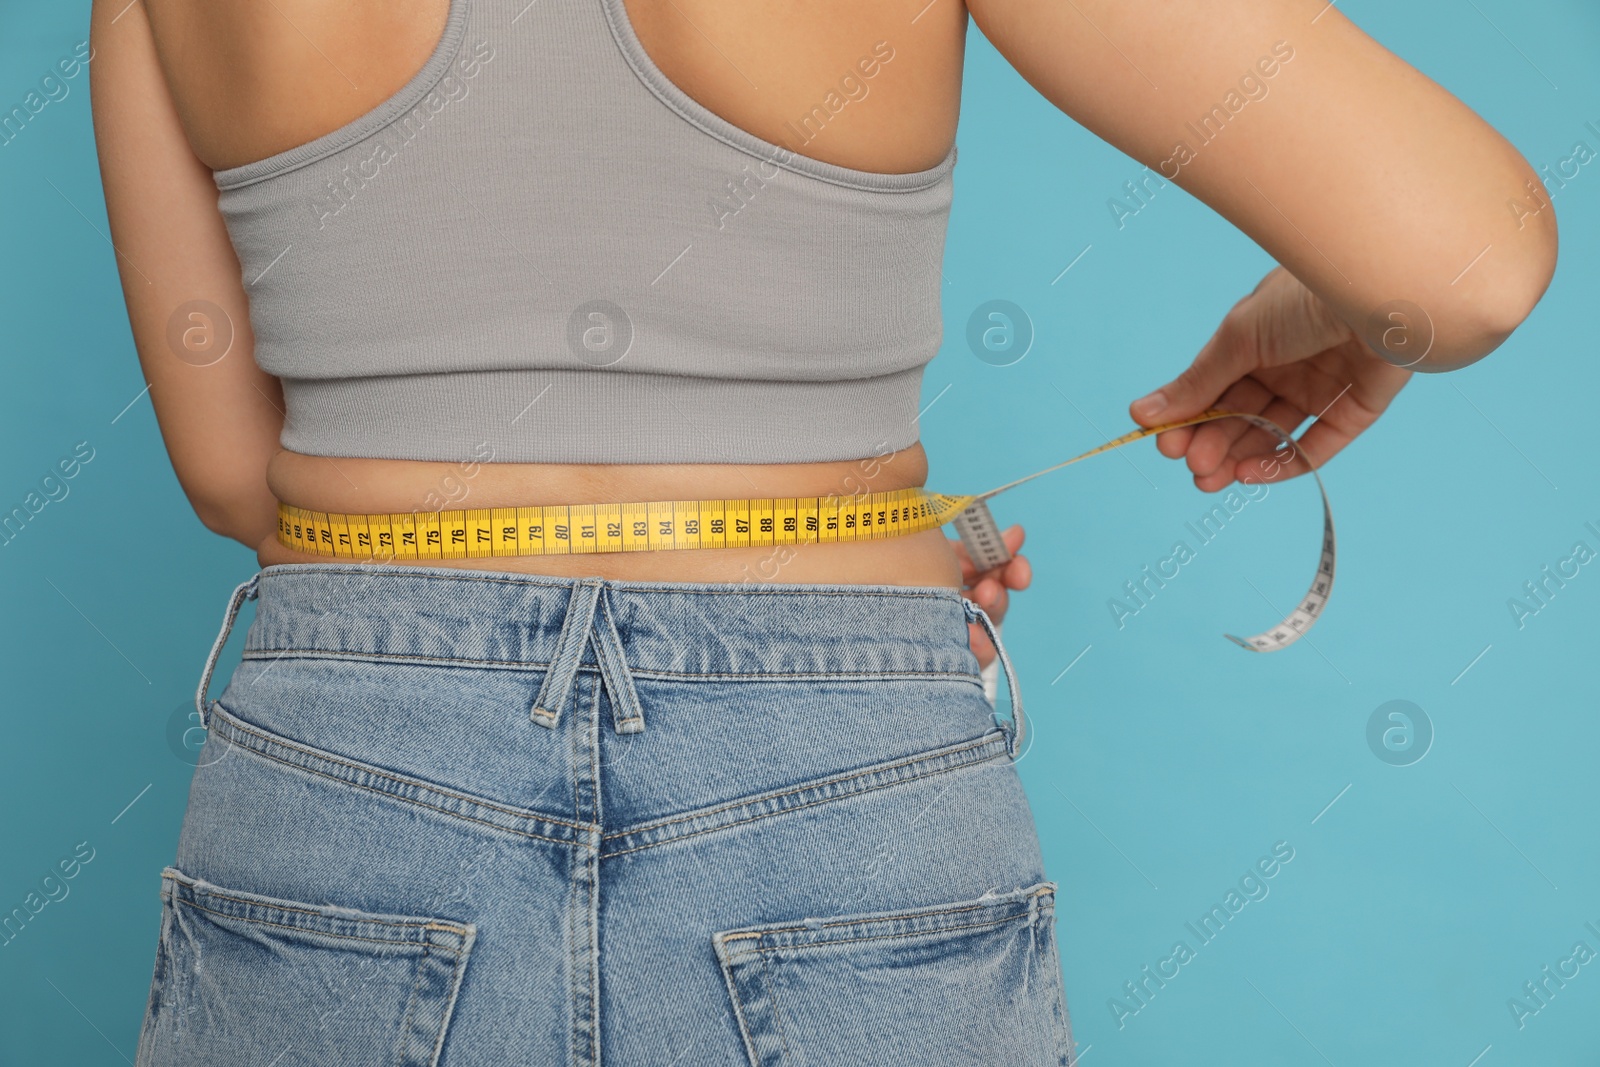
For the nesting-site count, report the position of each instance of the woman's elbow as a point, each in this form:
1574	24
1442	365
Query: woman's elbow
1513	276
245	521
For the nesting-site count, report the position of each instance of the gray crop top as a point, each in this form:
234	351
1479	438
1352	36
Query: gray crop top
541	250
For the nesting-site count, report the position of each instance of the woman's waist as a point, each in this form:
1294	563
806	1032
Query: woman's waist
359	486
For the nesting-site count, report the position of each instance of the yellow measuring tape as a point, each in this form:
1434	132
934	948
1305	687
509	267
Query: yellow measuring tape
656	525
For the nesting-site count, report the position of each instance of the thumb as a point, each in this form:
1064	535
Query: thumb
1227	357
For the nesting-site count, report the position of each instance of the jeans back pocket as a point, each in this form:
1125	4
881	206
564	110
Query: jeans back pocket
970	984
244	978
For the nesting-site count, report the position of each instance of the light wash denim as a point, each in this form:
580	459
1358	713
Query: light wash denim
481	819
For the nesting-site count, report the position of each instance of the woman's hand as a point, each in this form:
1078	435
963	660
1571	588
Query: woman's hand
1283	354
990	589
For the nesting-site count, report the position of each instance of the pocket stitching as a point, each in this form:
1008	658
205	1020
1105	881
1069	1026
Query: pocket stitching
725	966
404	1037
766	949
733	959
416	995
425	945
777	1012
1064	1014
1028	893
195	885
182	888
158	988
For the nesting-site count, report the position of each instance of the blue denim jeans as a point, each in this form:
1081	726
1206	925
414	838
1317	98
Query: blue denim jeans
474	818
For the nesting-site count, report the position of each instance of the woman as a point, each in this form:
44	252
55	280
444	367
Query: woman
718	805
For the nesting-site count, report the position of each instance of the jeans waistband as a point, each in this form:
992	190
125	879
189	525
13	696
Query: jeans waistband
624	628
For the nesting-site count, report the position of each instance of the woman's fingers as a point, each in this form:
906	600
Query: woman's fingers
1324	440
1212	440
1223	361
1228	356
1012	536
1018	573
1278	324
1283	395
1254	443
1346	389
1261	445
1174	443
991	589
990	595
982	647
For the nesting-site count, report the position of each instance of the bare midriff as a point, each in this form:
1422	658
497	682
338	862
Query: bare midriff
360	486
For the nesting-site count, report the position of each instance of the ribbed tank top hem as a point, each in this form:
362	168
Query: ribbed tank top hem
581	416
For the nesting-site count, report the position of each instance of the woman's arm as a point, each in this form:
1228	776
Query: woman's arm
220	421
1366	180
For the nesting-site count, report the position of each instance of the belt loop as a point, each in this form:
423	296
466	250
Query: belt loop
574	638
1018	725
245	589
626	712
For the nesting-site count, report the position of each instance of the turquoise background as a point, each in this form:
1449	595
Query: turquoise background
1165	762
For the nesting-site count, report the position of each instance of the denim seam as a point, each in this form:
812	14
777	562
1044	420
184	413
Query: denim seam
677	590
938	754
756	817
273	739
591	868
838	675
594	770
310	756
159	981
320	933
455	993
764	949
784	811
777	1012
539	665
403	1040
191	886
353	653
1063	1014
738	1013
1045	889
733	995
